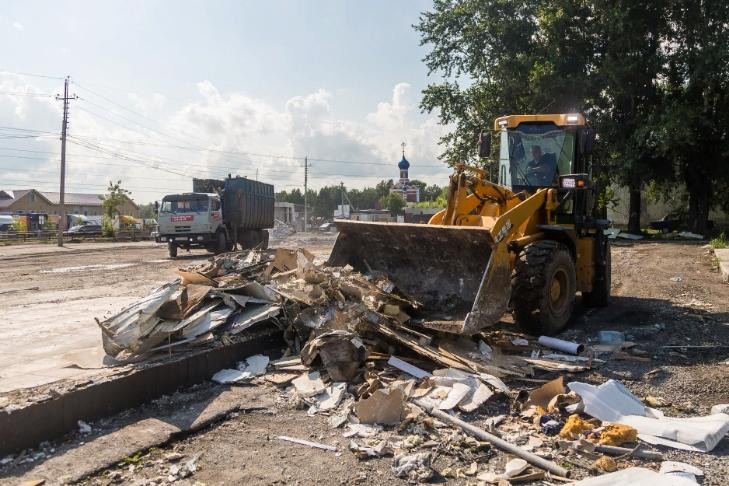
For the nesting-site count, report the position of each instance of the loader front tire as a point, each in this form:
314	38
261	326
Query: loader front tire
543	288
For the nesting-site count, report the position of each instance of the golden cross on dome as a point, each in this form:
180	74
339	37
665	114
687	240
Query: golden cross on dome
403	148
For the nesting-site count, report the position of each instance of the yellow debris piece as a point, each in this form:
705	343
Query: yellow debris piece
617	434
605	463
574	427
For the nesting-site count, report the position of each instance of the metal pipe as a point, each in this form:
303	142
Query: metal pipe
561	345
497	441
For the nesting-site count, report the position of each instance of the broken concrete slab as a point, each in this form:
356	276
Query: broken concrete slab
328	399
309	384
231	376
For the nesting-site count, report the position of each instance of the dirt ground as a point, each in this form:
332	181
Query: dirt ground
49	298
668	299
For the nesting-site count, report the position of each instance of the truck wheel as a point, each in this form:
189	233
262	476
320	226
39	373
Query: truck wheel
222	245
543	288
172	249
601	285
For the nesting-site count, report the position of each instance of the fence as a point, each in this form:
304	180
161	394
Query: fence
46	235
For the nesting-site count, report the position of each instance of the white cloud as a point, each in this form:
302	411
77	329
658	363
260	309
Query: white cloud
17	25
241	134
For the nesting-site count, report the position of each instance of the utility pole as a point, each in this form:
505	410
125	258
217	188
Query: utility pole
306	186
256	173
62	193
341	185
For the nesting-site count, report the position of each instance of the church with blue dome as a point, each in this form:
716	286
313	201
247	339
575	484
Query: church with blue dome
403	187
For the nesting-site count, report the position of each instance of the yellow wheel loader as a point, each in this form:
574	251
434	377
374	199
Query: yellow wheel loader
528	243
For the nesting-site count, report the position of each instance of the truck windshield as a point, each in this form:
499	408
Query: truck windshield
539	153
184	206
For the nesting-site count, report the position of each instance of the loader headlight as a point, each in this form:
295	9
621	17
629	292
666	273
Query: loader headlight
164	238
573	118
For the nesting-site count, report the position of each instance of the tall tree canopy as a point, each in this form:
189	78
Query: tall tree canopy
651	76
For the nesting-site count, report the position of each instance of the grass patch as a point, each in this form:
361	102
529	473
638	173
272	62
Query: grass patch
721	241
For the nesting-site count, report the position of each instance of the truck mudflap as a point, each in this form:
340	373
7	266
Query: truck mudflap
443	267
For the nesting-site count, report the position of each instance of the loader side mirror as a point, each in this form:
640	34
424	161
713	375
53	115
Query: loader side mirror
484	144
156	207
587	140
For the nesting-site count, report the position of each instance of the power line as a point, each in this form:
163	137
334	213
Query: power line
337	161
90	140
22	93
132	111
133	157
32	75
18	129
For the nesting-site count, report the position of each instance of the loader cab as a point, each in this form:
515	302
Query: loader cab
535	150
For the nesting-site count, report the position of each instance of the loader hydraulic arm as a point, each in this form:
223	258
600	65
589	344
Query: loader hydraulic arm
492	298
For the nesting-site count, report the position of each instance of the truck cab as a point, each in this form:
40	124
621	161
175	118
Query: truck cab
192	220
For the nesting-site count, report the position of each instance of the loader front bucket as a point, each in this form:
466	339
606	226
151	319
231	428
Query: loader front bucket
442	267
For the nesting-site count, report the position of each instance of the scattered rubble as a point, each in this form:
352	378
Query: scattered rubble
357	354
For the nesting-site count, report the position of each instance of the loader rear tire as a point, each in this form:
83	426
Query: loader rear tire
172	249
543	288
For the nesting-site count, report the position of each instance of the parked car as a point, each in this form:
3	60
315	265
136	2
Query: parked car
673	222
85	229
6	222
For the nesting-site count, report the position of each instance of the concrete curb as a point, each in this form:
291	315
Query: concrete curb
99	453
53	418
723	256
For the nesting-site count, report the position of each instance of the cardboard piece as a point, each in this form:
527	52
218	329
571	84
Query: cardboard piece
541	396
196	278
384	407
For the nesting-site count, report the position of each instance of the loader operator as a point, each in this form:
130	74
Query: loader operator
542	169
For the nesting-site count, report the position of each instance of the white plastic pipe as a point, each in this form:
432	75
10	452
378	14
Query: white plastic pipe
560	345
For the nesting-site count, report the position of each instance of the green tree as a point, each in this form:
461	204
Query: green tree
111	203
146	211
694	127
601	58
430	193
395	203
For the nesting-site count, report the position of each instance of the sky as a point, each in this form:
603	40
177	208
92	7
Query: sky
170	90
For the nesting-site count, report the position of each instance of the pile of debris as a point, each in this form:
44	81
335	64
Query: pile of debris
281	230
356	355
